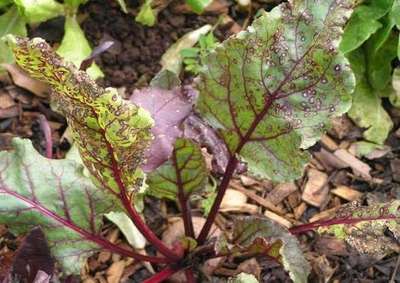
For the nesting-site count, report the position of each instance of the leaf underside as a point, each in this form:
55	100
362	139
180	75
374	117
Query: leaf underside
111	133
55	195
274	87
186	170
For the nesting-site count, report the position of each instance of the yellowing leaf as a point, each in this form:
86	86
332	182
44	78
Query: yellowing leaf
111	133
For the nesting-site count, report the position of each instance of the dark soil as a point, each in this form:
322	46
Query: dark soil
134	58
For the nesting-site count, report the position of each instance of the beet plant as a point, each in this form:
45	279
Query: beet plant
267	93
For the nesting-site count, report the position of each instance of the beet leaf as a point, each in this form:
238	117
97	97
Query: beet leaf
111	134
57	196
273	88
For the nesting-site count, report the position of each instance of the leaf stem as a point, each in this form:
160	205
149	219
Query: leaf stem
161	276
145	230
335	221
230	169
190	276
183	201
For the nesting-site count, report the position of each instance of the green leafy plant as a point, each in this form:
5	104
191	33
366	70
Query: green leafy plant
192	57
370	41
19	13
266	94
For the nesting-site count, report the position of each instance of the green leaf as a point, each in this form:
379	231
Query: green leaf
198	6
74	5
274	87
394	96
39	10
261	235
10	23
363	23
172	58
380	54
74	46
367	111
366	228
146	16
165	79
111	133
5	3
55	195
186	171
125	224
243	278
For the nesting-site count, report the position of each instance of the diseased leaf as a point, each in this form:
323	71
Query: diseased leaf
257	235
363	23
10	23
55	195
274	87
186	171
168	109
243	278
367	111
32	256
111	133
198	6
74	47
39	10
378	235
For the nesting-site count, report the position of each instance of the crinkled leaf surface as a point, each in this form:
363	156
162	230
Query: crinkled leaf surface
273	88
10	23
378	235
39	10
261	235
363	23
185	171
55	195
168	109
111	133
74	47
367	111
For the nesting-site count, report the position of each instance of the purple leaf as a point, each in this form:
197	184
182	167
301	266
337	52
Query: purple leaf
168	108
33	259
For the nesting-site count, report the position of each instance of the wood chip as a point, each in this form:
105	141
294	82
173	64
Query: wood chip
395	166
347	193
275	217
22	79
329	143
115	271
329	160
6	100
261	201
316	189
329	213
359	168
280	192
236	201
299	210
